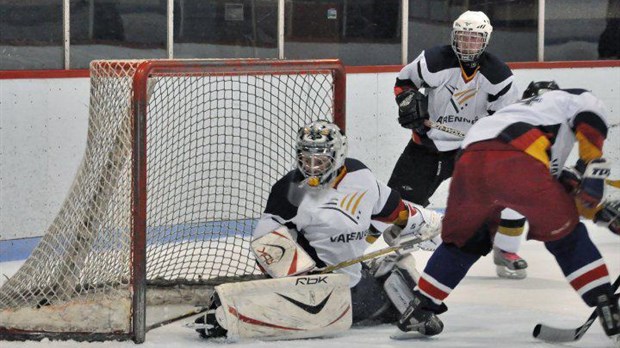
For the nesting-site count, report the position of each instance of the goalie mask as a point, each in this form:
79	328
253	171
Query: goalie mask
321	151
471	33
535	89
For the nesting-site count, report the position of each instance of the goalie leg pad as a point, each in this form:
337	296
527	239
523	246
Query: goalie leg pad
401	282
399	276
286	308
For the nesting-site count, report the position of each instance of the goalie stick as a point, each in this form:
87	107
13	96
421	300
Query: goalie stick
406	246
557	335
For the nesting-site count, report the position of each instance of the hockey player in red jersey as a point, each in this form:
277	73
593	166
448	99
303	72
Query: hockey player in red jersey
462	83
514	159
320	214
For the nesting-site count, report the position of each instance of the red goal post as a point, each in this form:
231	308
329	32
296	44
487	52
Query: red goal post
180	158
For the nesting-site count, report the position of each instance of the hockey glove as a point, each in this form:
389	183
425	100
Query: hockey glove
412	110
431	244
570	178
609	216
592	186
414	222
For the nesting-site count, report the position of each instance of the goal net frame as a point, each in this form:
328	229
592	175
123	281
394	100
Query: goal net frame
138	118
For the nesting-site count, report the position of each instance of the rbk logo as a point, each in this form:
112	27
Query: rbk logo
267	257
306	307
310	280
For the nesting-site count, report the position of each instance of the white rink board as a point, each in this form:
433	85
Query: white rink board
44	132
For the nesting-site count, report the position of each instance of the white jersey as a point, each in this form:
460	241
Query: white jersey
457	100
332	223
558	115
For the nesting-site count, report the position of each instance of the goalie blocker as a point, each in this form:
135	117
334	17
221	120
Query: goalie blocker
279	255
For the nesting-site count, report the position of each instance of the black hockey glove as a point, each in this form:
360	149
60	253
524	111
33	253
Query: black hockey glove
609	216
412	110
570	178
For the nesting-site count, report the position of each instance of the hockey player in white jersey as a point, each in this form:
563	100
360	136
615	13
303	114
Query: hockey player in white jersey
319	215
514	159
454	85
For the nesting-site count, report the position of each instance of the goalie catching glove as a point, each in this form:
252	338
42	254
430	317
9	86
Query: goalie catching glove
412	223
412	110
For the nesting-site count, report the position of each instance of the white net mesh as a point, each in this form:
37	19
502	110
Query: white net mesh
215	145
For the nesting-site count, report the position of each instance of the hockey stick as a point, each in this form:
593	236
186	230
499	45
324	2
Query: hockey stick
556	335
614	183
406	246
196	311
444	128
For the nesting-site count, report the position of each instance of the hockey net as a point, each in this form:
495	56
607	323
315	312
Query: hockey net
179	161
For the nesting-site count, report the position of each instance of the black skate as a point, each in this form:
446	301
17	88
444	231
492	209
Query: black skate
206	325
509	265
609	315
418	317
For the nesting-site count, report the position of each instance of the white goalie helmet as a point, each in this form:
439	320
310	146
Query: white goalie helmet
471	33
321	151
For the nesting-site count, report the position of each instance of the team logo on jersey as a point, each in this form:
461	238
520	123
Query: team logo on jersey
454	118
531	100
347	205
349	237
459	99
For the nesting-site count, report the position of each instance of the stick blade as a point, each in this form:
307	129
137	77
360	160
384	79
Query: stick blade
552	334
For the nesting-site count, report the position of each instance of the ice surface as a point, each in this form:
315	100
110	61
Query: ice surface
484	311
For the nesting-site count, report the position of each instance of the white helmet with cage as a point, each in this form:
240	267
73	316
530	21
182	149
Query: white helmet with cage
471	33
321	151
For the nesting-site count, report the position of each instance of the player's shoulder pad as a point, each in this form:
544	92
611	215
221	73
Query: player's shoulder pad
281	199
440	58
354	165
494	69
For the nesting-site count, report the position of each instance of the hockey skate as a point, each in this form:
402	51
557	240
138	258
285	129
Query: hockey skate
418	318
609	316
509	265
207	325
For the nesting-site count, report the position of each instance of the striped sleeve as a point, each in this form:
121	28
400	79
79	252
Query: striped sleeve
590	131
528	139
388	205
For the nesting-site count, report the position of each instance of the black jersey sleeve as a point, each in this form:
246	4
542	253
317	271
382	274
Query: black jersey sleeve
281	198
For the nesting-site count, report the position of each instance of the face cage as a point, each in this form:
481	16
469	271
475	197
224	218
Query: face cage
318	167
458	41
